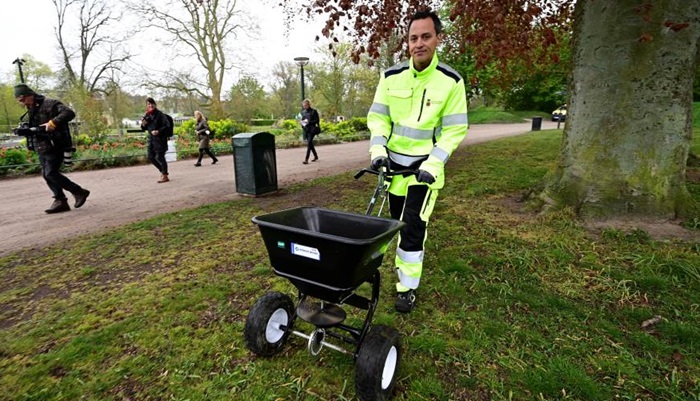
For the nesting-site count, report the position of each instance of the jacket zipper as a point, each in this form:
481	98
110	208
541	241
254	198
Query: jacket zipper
422	100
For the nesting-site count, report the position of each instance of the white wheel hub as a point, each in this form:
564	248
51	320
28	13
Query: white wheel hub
389	368
273	332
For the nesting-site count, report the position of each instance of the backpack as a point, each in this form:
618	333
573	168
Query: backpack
171	126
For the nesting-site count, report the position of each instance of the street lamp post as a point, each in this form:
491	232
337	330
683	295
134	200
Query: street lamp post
20	62
301	62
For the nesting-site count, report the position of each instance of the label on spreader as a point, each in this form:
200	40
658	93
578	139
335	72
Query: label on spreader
306	251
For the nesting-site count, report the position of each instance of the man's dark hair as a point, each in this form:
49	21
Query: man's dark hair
427	14
151	101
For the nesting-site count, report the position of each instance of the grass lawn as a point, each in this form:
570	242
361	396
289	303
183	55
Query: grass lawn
511	307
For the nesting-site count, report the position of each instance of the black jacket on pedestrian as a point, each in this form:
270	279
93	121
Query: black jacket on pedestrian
44	110
312	127
156	121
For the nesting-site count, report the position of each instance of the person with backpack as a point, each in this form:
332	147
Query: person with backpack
159	129
49	119
203	136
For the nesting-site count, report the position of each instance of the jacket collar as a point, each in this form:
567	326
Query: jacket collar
427	70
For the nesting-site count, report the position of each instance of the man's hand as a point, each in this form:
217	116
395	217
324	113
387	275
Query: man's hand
426	177
379	162
154	132
49	126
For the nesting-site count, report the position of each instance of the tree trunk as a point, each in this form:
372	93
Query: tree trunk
629	124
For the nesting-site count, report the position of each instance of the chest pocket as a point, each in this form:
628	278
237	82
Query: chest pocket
400	103
433	105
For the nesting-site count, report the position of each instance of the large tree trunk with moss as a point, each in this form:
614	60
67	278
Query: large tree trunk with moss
629	124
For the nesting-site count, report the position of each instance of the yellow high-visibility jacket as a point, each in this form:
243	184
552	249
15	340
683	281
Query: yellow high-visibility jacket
418	118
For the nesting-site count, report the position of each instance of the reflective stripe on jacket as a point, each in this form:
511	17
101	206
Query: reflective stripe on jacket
418	116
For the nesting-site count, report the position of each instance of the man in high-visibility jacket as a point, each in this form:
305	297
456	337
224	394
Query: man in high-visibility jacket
417	119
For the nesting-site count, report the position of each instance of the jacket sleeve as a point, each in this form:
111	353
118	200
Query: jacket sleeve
454	129
61	113
379	122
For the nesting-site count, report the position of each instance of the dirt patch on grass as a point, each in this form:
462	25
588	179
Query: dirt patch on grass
658	230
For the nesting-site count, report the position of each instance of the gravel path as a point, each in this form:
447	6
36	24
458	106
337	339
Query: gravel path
128	194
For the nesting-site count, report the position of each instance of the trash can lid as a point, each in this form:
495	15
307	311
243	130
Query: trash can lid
253	138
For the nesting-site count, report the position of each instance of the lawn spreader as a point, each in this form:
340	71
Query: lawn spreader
328	255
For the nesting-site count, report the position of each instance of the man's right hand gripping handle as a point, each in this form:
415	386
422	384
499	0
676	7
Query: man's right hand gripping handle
379	162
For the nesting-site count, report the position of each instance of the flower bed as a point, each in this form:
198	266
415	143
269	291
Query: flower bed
127	150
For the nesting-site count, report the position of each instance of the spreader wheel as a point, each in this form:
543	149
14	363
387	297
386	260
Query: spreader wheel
377	364
262	332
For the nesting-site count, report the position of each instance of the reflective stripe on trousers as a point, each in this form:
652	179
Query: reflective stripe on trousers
411	202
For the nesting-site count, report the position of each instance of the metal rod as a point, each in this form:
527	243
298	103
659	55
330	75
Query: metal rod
325	344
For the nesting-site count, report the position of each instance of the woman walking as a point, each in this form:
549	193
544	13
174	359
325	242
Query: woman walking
203	136
310	123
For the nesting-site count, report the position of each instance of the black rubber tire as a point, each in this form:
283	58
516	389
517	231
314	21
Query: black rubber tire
255	332
380	349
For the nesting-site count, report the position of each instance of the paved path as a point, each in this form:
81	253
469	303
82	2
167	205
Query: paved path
128	194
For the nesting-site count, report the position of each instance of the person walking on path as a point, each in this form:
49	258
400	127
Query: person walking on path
311	124
417	119
203	136
49	136
155	123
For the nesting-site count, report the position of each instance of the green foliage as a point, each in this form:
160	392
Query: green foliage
359	124
13	157
696	85
289	124
90	111
262	122
248	100
186	129
10	109
536	92
227	128
485	115
82	140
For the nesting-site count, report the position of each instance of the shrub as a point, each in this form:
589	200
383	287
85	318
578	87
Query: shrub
186	129
359	124
289	124
224	129
13	157
261	122
82	140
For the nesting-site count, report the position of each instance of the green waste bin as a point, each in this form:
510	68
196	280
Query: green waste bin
536	123
254	163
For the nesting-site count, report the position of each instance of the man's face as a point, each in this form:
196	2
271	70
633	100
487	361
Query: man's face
305	105
150	106
422	42
26	100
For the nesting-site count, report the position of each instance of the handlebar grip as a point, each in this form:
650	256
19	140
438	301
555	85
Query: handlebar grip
360	173
387	173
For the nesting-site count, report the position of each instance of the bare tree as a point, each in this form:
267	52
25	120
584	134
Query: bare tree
203	28
98	51
286	87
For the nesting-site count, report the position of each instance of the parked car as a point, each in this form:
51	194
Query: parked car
559	114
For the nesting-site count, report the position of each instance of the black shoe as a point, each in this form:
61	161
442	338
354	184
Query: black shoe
314	159
305	162
198	164
405	301
215	161
58	206
81	197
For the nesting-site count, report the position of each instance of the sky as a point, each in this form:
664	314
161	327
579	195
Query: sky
28	28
